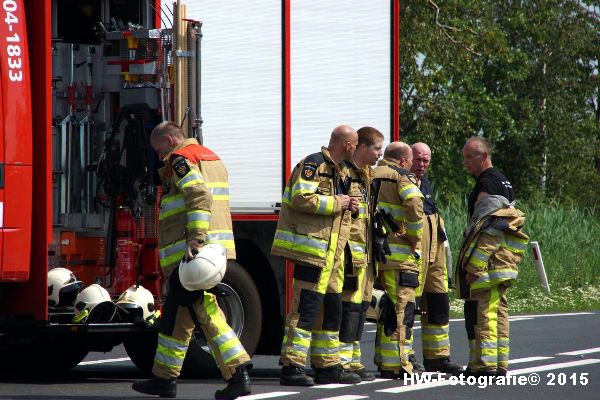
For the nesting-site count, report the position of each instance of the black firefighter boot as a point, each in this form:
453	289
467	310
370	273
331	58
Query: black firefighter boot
238	385
294	375
157	386
442	365
335	374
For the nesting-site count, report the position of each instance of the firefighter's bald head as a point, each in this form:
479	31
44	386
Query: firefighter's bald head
342	143
165	137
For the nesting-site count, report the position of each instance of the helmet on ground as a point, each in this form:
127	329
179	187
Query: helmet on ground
374	310
94	305
138	301
63	287
205	270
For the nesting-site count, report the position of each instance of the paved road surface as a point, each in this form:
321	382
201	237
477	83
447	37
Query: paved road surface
561	350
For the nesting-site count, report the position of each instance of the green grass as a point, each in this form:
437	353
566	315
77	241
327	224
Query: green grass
569	239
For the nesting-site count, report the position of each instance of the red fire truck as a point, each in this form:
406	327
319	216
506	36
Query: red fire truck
83	82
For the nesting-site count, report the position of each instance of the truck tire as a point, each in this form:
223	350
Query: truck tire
45	357
242	308
141	349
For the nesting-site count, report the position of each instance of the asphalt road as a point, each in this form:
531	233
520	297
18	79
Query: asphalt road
561	352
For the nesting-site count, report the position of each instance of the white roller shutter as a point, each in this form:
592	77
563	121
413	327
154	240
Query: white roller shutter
340	69
242	94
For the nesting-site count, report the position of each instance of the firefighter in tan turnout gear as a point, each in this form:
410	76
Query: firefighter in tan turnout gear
432	293
313	232
493	246
194	211
396	195
358	282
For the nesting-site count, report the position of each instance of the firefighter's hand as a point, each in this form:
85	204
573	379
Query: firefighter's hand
470	278
344	201
353	207
192	249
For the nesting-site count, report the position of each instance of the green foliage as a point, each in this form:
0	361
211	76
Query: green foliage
524	74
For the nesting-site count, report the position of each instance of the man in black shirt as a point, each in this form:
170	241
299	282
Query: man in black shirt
477	157
491	266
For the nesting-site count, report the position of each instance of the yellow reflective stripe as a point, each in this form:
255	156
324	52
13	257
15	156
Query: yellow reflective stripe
198	219
304	187
287	197
362	210
171	205
190	179
324	205
357	295
414	228
224	237
479	258
514	244
172	253
324	343
169	354
346	350
302	243
329	261
396	211
409	191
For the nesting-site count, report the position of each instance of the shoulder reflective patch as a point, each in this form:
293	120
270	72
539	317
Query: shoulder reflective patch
309	171
181	167
413	179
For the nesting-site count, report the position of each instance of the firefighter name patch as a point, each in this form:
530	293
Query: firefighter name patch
181	168
308	171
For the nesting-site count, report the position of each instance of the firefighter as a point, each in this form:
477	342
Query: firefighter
488	261
432	293
313	233
396	194
358	282
194	211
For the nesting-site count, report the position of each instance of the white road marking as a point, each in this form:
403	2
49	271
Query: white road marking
548	367
421	386
331	386
345	397
110	360
519	318
412	388
580	352
377	380
269	395
527	359
539	315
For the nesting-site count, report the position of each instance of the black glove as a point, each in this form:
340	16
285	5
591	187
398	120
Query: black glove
381	249
380	244
388	317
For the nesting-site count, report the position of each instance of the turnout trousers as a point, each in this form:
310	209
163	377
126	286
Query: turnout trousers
432	294
176	328
486	322
313	322
390	351
356	297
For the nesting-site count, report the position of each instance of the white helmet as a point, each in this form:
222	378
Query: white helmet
374	309
93	305
205	270
139	301
63	287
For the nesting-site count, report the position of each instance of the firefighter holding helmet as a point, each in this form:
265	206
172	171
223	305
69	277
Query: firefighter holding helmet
194	212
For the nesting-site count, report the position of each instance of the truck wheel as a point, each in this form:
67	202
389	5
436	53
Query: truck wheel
242	308
52	357
141	349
